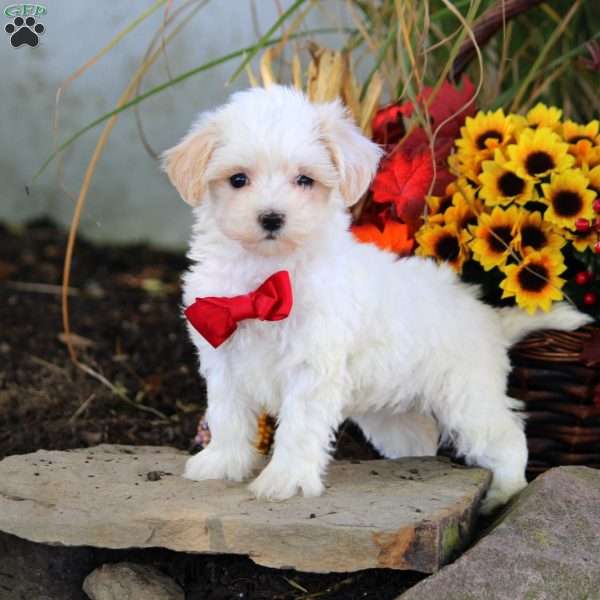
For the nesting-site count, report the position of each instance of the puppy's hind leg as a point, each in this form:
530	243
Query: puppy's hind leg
396	435
486	431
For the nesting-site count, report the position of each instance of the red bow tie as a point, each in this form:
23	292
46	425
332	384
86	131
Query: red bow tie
216	318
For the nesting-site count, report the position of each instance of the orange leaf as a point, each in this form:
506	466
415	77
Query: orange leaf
394	237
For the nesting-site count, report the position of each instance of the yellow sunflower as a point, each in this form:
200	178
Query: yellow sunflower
464	210
445	243
586	155
568	198
583	240
533	234
583	142
500	185
485	132
438	205
592	159
519	122
466	164
594	177
493	237
544	116
535	283
538	153
574	132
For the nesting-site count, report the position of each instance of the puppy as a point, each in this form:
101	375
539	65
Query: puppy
391	344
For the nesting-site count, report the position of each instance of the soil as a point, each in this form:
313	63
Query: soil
142	384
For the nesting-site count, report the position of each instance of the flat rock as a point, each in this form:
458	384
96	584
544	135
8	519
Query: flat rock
412	514
129	581
545	547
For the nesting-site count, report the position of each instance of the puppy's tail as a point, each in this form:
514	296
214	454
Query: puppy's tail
516	323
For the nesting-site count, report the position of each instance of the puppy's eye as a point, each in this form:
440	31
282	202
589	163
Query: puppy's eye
238	180
305	181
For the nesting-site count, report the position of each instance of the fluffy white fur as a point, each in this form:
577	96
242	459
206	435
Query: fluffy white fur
392	344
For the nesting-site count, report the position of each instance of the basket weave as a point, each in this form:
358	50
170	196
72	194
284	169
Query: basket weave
557	376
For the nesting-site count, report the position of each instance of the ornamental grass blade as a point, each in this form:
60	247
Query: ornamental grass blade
351	90
211	64
296	71
370	103
325	75
534	71
266	38
266	68
148	61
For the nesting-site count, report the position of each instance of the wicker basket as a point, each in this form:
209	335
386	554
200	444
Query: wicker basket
557	376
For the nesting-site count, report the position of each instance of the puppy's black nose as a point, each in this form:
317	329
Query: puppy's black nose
271	221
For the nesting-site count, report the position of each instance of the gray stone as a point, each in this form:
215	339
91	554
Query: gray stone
128	581
545	547
407	514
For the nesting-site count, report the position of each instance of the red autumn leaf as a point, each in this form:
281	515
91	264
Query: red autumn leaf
404	180
405	177
449	103
388	126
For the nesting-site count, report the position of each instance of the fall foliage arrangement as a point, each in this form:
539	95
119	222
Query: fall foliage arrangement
511	202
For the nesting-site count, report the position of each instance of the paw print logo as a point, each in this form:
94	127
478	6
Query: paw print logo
24	31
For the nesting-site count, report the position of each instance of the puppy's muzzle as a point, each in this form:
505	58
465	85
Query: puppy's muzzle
271	221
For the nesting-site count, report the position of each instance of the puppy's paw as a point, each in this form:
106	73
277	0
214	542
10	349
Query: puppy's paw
280	483
212	463
498	496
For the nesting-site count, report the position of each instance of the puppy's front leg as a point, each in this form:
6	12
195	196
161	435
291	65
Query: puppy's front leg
310	413
231	453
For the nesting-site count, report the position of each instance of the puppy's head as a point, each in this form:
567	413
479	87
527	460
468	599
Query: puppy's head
273	167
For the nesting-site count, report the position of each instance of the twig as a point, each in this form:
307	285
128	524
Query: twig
296	585
49	365
83	406
159	36
332	588
39	288
119	392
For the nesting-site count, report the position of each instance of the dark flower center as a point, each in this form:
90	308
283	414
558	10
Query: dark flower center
533	236
539	162
468	219
580	235
447	248
578	138
510	185
492	134
533	278
445	204
567	204
504	233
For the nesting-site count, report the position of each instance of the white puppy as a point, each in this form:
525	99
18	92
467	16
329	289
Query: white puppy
376	339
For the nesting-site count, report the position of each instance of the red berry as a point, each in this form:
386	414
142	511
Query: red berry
596	205
590	298
582	225
597	248
583	277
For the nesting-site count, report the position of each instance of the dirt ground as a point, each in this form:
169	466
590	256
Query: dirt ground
145	388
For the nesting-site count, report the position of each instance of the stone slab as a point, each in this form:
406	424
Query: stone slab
414	514
546	546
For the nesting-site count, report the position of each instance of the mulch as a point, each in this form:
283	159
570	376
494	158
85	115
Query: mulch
145	388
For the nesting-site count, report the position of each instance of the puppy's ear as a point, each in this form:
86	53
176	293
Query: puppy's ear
185	164
354	155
